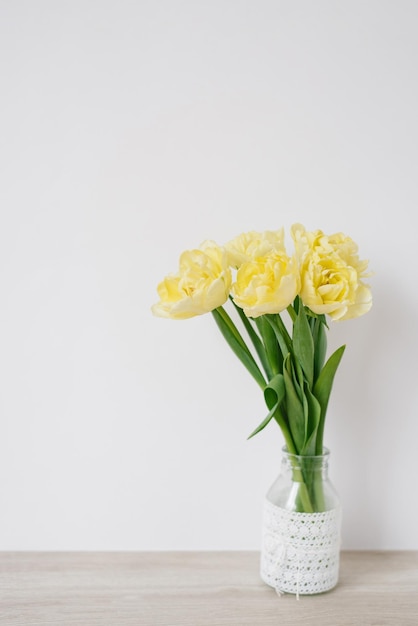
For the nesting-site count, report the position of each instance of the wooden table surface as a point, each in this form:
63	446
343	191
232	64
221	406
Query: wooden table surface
198	589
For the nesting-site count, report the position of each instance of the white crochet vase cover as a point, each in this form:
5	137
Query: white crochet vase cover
300	551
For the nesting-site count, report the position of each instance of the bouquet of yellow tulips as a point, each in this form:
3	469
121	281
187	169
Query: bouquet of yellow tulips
286	357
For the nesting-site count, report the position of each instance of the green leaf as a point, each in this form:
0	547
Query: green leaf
274	391
294	406
323	385
314	417
303	344
273	394
322	390
298	379
320	350
272	351
237	344
280	331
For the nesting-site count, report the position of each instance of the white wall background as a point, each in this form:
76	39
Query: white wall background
131	131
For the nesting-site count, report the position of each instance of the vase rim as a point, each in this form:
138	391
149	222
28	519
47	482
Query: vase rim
325	454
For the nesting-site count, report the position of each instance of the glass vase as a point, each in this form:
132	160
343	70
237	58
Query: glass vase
301	527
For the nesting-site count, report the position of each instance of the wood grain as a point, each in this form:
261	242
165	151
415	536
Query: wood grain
198	589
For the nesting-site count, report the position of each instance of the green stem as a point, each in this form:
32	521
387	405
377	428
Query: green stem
305	497
256	341
234	330
303	500
297	472
278	416
318	493
282	336
292	313
320	436
237	344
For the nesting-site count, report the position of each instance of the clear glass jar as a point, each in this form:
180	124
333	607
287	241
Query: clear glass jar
303	484
301	527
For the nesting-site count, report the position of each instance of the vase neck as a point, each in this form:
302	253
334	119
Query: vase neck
317	465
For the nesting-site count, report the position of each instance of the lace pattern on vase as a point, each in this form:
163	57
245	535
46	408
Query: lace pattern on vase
300	551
